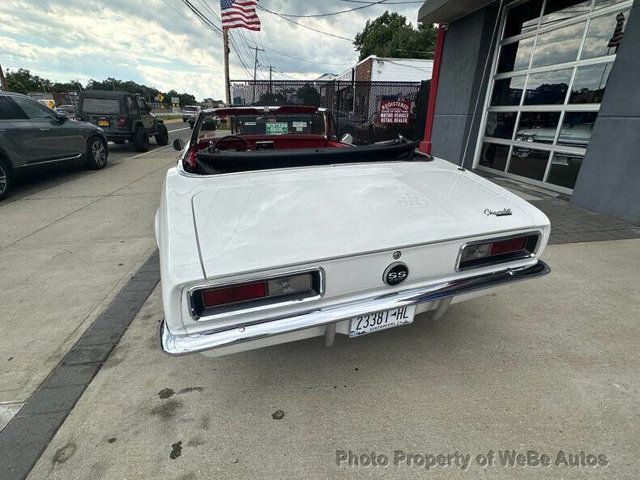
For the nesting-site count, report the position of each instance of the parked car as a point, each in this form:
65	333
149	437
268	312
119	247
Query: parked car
32	135
311	237
189	112
123	116
68	110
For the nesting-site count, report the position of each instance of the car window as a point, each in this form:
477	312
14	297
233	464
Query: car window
34	110
10	111
141	104
103	106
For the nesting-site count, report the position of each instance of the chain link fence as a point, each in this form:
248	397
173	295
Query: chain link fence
369	111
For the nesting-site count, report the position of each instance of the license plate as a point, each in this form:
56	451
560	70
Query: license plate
374	322
103	123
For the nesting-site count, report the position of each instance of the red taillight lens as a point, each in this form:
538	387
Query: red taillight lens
508	246
215	297
497	251
122	122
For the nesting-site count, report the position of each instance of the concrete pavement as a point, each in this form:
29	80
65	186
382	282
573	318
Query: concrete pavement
546	366
70	238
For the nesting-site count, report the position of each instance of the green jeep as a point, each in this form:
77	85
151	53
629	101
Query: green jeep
124	117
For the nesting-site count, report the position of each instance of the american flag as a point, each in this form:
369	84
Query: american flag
239	14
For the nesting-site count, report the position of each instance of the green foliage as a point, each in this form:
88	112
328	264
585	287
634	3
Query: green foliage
308	95
390	35
22	81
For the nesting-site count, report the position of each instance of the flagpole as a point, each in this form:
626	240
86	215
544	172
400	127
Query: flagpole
225	47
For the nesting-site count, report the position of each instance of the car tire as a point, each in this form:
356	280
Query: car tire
97	153
140	140
162	137
5	179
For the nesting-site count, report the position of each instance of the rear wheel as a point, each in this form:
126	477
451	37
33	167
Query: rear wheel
162	137
141	140
97	153
5	179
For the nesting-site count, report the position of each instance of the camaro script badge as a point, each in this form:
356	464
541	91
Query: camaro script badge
395	273
498	213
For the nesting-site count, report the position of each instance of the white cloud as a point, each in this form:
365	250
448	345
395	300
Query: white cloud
162	44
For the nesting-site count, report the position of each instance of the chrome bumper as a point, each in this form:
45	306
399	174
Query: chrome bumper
182	344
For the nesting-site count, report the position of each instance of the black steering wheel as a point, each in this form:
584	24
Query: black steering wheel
232	142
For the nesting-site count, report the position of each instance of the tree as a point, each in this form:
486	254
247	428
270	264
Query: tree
390	35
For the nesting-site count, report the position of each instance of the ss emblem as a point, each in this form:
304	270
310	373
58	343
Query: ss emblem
395	273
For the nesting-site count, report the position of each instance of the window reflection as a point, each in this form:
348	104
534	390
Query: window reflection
606	3
564	169
500	125
558	46
589	84
528	162
577	128
508	91
559	10
604	34
515	56
537	127
494	156
522	18
547	88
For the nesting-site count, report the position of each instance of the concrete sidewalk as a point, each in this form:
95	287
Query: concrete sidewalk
69	241
547	365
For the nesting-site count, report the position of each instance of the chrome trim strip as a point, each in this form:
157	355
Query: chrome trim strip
173	344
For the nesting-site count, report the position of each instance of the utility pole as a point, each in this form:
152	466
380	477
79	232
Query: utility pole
3	81
255	68
225	48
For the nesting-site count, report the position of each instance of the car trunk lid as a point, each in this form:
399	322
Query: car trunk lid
265	220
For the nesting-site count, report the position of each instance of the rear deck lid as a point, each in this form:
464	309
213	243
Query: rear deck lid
269	219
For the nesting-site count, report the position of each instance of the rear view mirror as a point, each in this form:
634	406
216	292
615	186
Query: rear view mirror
178	144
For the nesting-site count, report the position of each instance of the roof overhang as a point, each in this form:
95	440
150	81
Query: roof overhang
447	11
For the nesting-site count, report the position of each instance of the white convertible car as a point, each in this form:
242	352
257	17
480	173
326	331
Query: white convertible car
279	233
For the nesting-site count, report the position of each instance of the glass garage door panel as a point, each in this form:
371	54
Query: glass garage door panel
559	10
539	127
548	88
558	46
576	129
564	169
522	18
528	162
494	156
600	39
515	56
501	124
589	83
508	91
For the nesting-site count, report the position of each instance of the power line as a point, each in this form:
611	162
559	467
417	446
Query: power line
386	3
329	14
303	25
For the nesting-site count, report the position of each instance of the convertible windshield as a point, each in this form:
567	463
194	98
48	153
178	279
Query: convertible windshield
274	124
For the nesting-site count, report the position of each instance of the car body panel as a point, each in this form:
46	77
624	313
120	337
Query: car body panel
350	221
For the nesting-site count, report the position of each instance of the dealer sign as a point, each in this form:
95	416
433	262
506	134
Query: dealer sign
394	111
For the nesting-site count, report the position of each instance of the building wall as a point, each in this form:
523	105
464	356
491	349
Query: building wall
609	180
466	48
401	70
363	70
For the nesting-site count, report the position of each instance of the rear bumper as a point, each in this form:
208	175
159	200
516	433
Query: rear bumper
173	344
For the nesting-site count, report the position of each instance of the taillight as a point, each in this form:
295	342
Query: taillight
245	295
500	250
122	122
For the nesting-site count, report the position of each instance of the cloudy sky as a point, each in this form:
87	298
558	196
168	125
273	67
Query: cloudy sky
162	44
